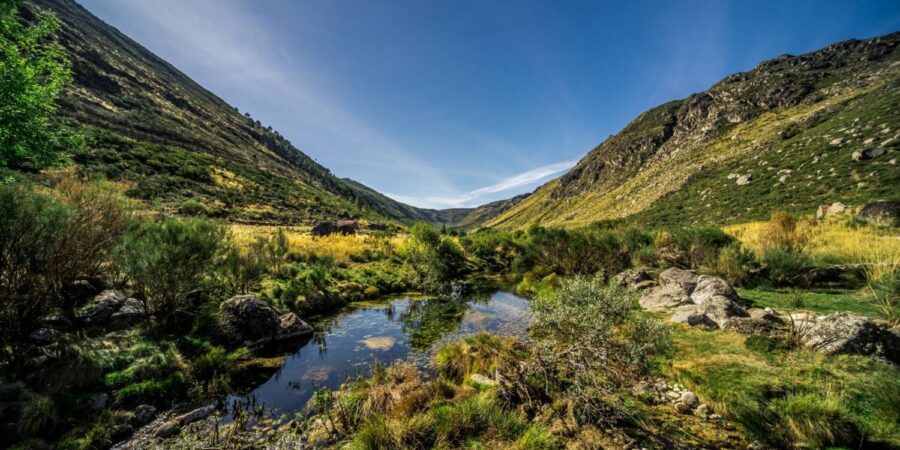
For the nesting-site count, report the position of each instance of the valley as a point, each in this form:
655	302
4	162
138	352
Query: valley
724	272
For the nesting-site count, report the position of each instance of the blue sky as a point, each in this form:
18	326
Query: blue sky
456	103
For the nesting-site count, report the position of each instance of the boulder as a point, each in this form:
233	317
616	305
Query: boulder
143	414
682	408
693	316
721	309
482	380
323	229
887	211
44	336
131	313
709	287
689	398
844	333
631	277
249	320
684	278
644	285
290	326
102	308
868	153
664	297
744	180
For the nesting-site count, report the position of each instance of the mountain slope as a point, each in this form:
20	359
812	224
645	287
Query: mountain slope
791	126
171	141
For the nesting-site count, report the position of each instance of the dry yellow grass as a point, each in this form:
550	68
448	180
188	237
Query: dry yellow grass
833	239
341	248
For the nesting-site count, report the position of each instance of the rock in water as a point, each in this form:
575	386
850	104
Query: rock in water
249	320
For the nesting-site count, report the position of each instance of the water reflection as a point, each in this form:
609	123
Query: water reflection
404	328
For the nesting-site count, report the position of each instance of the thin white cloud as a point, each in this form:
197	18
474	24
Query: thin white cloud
484	194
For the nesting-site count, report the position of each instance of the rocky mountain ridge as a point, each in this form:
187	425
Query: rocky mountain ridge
798	110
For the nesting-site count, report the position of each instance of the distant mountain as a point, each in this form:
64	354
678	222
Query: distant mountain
483	214
793	133
388	207
172	142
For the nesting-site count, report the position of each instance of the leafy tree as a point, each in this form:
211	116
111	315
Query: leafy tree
33	72
437	260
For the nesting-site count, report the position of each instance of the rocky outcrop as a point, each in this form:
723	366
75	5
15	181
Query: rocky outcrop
868	153
844	333
664	297
250	321
887	211
112	309
631	277
686	279
710	287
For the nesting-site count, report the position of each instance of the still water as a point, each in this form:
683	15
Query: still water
410	329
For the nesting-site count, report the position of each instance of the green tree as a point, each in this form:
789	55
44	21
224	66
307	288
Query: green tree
33	72
436	259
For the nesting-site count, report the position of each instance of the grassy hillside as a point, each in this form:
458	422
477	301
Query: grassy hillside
172	142
791	125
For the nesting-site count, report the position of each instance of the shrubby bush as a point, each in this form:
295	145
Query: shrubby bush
701	245
592	340
437	260
783	267
167	260
736	264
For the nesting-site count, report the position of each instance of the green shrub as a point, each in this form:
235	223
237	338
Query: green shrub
151	251
783	268
594	339
702	245
735	264
437	260
32	229
193	208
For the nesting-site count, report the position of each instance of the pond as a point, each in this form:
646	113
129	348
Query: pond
406	328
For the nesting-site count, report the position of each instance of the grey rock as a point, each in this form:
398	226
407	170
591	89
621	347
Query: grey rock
168	429
102	308
129	314
684	278
709	287
844	333
886	211
744	180
249	320
664	297
290	326
143	414
721	309
630	277
705	409
693	316
644	285
101	401
868	153
682	408
689	398
44	336
195	415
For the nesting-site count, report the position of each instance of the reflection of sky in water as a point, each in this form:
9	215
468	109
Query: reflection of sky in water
350	342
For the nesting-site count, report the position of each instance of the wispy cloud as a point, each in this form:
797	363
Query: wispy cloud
484	194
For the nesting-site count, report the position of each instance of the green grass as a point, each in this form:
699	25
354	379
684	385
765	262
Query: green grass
791	397
821	301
